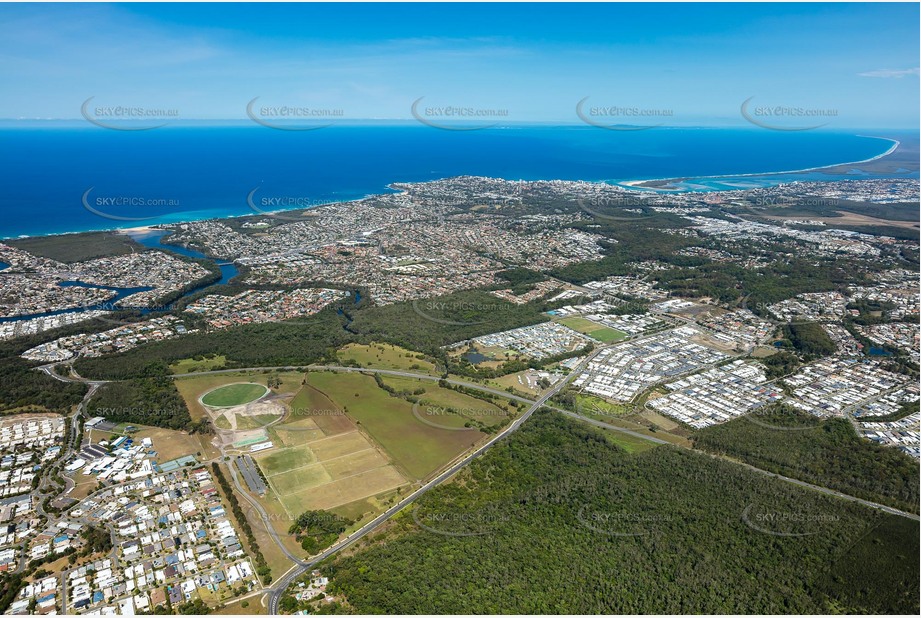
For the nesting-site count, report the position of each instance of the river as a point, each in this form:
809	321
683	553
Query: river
152	239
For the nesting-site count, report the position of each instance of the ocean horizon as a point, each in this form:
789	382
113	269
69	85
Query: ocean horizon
85	178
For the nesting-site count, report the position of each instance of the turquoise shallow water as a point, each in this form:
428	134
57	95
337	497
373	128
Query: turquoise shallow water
80	178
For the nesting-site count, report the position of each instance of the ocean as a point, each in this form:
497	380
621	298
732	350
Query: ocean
78	178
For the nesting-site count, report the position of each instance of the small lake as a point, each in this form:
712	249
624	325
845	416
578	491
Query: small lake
475	358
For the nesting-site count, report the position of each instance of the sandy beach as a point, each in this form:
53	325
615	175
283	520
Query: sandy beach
639	184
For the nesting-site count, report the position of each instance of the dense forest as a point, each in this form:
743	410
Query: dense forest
761	287
317	530
246	346
809	339
780	364
426	325
22	386
147	401
422	325
557	520
828	453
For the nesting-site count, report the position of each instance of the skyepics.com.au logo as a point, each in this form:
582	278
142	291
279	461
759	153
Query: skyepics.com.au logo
293	117
298	412
788	200
127	117
312	523
461	523
787	523
622	523
782	418
450	117
484	311
129	207
269	412
456	419
138	411
618	117
284	207
597	409
109	307
786	117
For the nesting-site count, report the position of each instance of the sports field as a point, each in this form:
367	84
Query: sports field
594	330
417	448
193	387
345	444
234	395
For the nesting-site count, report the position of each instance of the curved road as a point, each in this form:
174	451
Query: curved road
263	515
300	567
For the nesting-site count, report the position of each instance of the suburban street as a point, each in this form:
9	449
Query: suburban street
300	566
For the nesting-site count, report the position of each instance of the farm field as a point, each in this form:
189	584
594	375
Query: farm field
384	356
416	448
315	406
597	331
190	365
598	408
629	443
322	460
331	494
295	434
450	408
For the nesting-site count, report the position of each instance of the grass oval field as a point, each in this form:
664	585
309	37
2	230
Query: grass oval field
234	395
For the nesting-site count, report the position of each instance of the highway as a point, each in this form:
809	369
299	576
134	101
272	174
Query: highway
300	566
278	589
606	426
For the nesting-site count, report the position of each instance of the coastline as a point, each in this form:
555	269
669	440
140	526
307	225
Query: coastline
636	185
628	185
158	227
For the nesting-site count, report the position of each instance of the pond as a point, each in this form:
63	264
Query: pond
475	358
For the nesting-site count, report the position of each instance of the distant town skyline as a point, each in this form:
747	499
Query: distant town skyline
686	65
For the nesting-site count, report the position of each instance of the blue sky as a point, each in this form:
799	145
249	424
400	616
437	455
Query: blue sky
700	62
